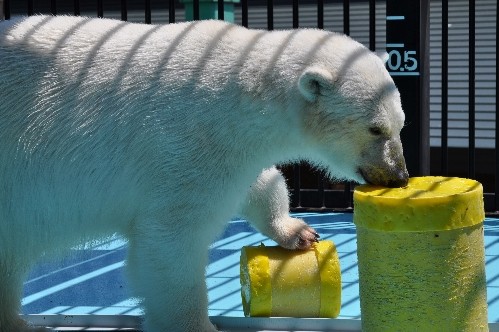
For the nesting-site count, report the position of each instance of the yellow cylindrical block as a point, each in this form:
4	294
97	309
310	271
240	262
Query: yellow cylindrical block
421	256
291	283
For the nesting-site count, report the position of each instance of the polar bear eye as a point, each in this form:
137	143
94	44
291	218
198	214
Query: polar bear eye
376	131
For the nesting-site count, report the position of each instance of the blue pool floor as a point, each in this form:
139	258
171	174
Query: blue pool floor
92	281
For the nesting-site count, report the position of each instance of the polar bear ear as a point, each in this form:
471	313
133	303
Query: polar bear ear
315	82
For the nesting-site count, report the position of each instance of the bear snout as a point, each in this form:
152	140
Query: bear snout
385	177
400	181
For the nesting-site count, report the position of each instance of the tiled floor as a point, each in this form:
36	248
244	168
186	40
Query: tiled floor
92	282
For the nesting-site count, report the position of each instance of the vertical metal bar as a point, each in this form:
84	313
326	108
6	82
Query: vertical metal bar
372	25
321	186
148	18
76	10
346	31
471	118
347	194
297	186
124	11
221	14
445	88
270	14
244	9
171	11
53	7
346	17
320	14
424	87
496	191
195	8
2	11
6	9
296	22
100	9
31	9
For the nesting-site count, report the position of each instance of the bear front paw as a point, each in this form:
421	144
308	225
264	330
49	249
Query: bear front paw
294	233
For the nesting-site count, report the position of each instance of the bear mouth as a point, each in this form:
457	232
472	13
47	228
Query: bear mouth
363	176
385	178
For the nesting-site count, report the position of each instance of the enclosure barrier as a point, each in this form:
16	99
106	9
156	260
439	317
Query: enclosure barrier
406	40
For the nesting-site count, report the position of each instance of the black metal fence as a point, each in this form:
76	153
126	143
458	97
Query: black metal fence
441	57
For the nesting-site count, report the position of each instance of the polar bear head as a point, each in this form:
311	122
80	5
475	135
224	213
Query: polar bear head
353	115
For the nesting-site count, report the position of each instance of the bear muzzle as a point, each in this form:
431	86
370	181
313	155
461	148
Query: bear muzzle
385	177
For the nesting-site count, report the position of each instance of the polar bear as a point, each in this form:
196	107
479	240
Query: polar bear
162	133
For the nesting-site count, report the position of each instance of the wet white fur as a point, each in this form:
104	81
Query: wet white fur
159	132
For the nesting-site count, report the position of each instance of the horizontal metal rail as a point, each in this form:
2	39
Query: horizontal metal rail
132	323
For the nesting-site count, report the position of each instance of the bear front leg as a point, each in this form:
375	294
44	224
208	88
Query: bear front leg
267	208
167	271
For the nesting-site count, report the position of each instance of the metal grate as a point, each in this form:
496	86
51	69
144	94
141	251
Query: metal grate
464	92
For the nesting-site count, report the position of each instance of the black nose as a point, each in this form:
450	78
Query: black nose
401	181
